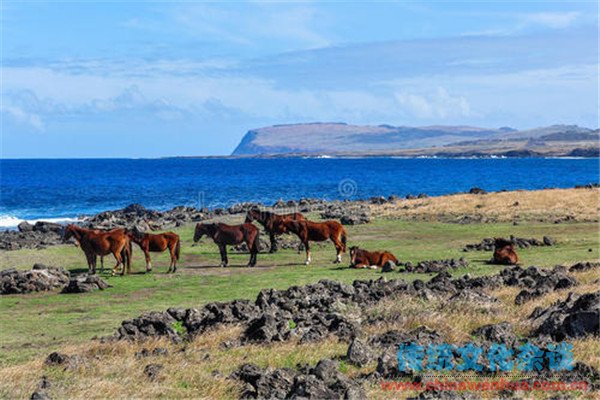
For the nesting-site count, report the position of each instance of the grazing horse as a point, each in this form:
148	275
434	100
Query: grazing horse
270	221
223	235
317	232
504	252
360	258
77	244
157	243
98	243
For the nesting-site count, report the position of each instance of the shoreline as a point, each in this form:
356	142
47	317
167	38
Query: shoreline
11	223
332	156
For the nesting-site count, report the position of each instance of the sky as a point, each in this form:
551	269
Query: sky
153	79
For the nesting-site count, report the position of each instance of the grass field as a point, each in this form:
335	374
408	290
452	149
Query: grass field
37	324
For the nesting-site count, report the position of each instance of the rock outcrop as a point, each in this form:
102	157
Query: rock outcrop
39	278
575	317
487	244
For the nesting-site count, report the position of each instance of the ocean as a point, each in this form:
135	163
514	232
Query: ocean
63	190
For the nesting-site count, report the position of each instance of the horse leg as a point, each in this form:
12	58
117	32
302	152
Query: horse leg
171	248
307	247
101	264
223	251
117	255
90	262
273	240
338	250
148	261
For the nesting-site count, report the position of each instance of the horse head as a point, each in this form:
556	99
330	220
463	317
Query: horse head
501	242
252	214
135	234
204	229
353	253
70	231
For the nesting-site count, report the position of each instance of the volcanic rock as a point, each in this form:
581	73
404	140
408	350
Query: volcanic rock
39	278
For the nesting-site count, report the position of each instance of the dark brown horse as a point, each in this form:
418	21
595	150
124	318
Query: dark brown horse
317	232
504	252
98	243
360	258
223	235
157	243
270	221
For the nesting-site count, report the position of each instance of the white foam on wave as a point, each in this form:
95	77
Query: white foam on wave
9	221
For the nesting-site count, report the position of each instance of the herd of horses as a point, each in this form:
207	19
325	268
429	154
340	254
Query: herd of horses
118	242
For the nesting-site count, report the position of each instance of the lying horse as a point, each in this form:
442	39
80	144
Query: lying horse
157	243
504	252
270	221
360	258
98	243
316	232
223	235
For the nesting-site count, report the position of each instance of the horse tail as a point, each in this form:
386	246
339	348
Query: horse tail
343	237
177	248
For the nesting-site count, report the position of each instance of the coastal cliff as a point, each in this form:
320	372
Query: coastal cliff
370	140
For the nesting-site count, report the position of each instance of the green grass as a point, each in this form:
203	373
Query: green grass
36	324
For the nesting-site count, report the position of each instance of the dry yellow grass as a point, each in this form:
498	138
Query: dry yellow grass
536	205
198	369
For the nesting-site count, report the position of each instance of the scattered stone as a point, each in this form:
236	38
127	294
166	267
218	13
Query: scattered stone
476	190
497	333
39	395
488	244
348	213
433	266
322	382
152	371
584	266
359	353
575	317
68	361
39	278
536	282
85	283
159	351
44	383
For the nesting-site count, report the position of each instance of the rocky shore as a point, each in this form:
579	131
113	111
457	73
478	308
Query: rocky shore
44	234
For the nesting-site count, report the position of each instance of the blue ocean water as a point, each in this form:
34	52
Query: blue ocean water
48	189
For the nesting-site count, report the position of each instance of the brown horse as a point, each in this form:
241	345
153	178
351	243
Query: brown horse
360	258
98	243
504	252
157	243
223	235
270	221
317	232
77	244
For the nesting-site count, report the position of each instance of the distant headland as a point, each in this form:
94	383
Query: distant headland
341	139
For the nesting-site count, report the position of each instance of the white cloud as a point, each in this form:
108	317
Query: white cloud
438	105
290	26
22	117
556	20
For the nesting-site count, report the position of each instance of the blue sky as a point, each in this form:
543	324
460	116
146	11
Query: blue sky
151	79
